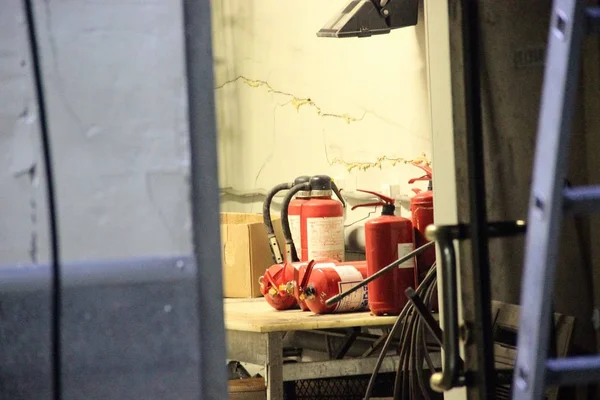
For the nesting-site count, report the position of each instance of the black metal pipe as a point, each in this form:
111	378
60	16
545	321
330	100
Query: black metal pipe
481	286
338	193
205	197
494	229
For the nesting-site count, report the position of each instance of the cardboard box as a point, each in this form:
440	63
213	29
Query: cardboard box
245	252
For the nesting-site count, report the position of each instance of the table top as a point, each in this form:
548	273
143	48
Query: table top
256	315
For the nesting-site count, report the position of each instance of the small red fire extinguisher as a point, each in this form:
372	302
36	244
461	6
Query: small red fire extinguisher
387	238
276	282
421	208
323	280
322	222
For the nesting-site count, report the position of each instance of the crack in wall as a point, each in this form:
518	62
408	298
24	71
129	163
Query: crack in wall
295	101
379	162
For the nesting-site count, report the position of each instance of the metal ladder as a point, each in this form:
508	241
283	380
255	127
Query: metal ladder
570	21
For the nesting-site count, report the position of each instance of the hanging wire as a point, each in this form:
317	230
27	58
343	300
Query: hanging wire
56	301
400	323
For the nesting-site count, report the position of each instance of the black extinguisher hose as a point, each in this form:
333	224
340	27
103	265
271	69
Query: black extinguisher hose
338	193
290	249
275	250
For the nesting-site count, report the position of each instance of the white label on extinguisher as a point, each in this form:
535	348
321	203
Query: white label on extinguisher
294	221
356	301
404	249
325	238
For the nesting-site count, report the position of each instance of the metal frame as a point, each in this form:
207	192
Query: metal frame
267	349
546	198
205	195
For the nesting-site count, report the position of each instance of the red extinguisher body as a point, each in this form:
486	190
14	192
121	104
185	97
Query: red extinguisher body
322	223
328	281
302	281
388	238
294	213
421	208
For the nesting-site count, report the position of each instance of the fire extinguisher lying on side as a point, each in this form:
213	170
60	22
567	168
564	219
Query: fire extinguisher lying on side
276	282
321	221
421	208
388	238
294	221
322	280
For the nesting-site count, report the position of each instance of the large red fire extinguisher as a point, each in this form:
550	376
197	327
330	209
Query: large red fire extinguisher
294	222
323	280
295	208
388	238
322	222
421	208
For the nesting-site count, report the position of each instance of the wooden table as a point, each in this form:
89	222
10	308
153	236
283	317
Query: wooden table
255	333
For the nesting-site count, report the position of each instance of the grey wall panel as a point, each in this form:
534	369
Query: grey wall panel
130	331
114	75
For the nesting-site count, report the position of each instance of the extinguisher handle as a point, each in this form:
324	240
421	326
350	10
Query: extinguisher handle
424	166
270	279
384	199
428	172
421	178
306	277
376	204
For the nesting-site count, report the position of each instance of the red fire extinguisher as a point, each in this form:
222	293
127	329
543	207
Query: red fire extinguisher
275	285
387	238
326	207
421	208
323	280
322	222
278	257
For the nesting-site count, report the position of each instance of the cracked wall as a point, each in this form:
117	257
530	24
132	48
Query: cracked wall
289	103
114	78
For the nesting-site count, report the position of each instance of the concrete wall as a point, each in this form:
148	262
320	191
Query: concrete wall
116	101
290	103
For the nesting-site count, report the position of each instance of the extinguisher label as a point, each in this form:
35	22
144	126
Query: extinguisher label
294	221
357	301
404	249
325	238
